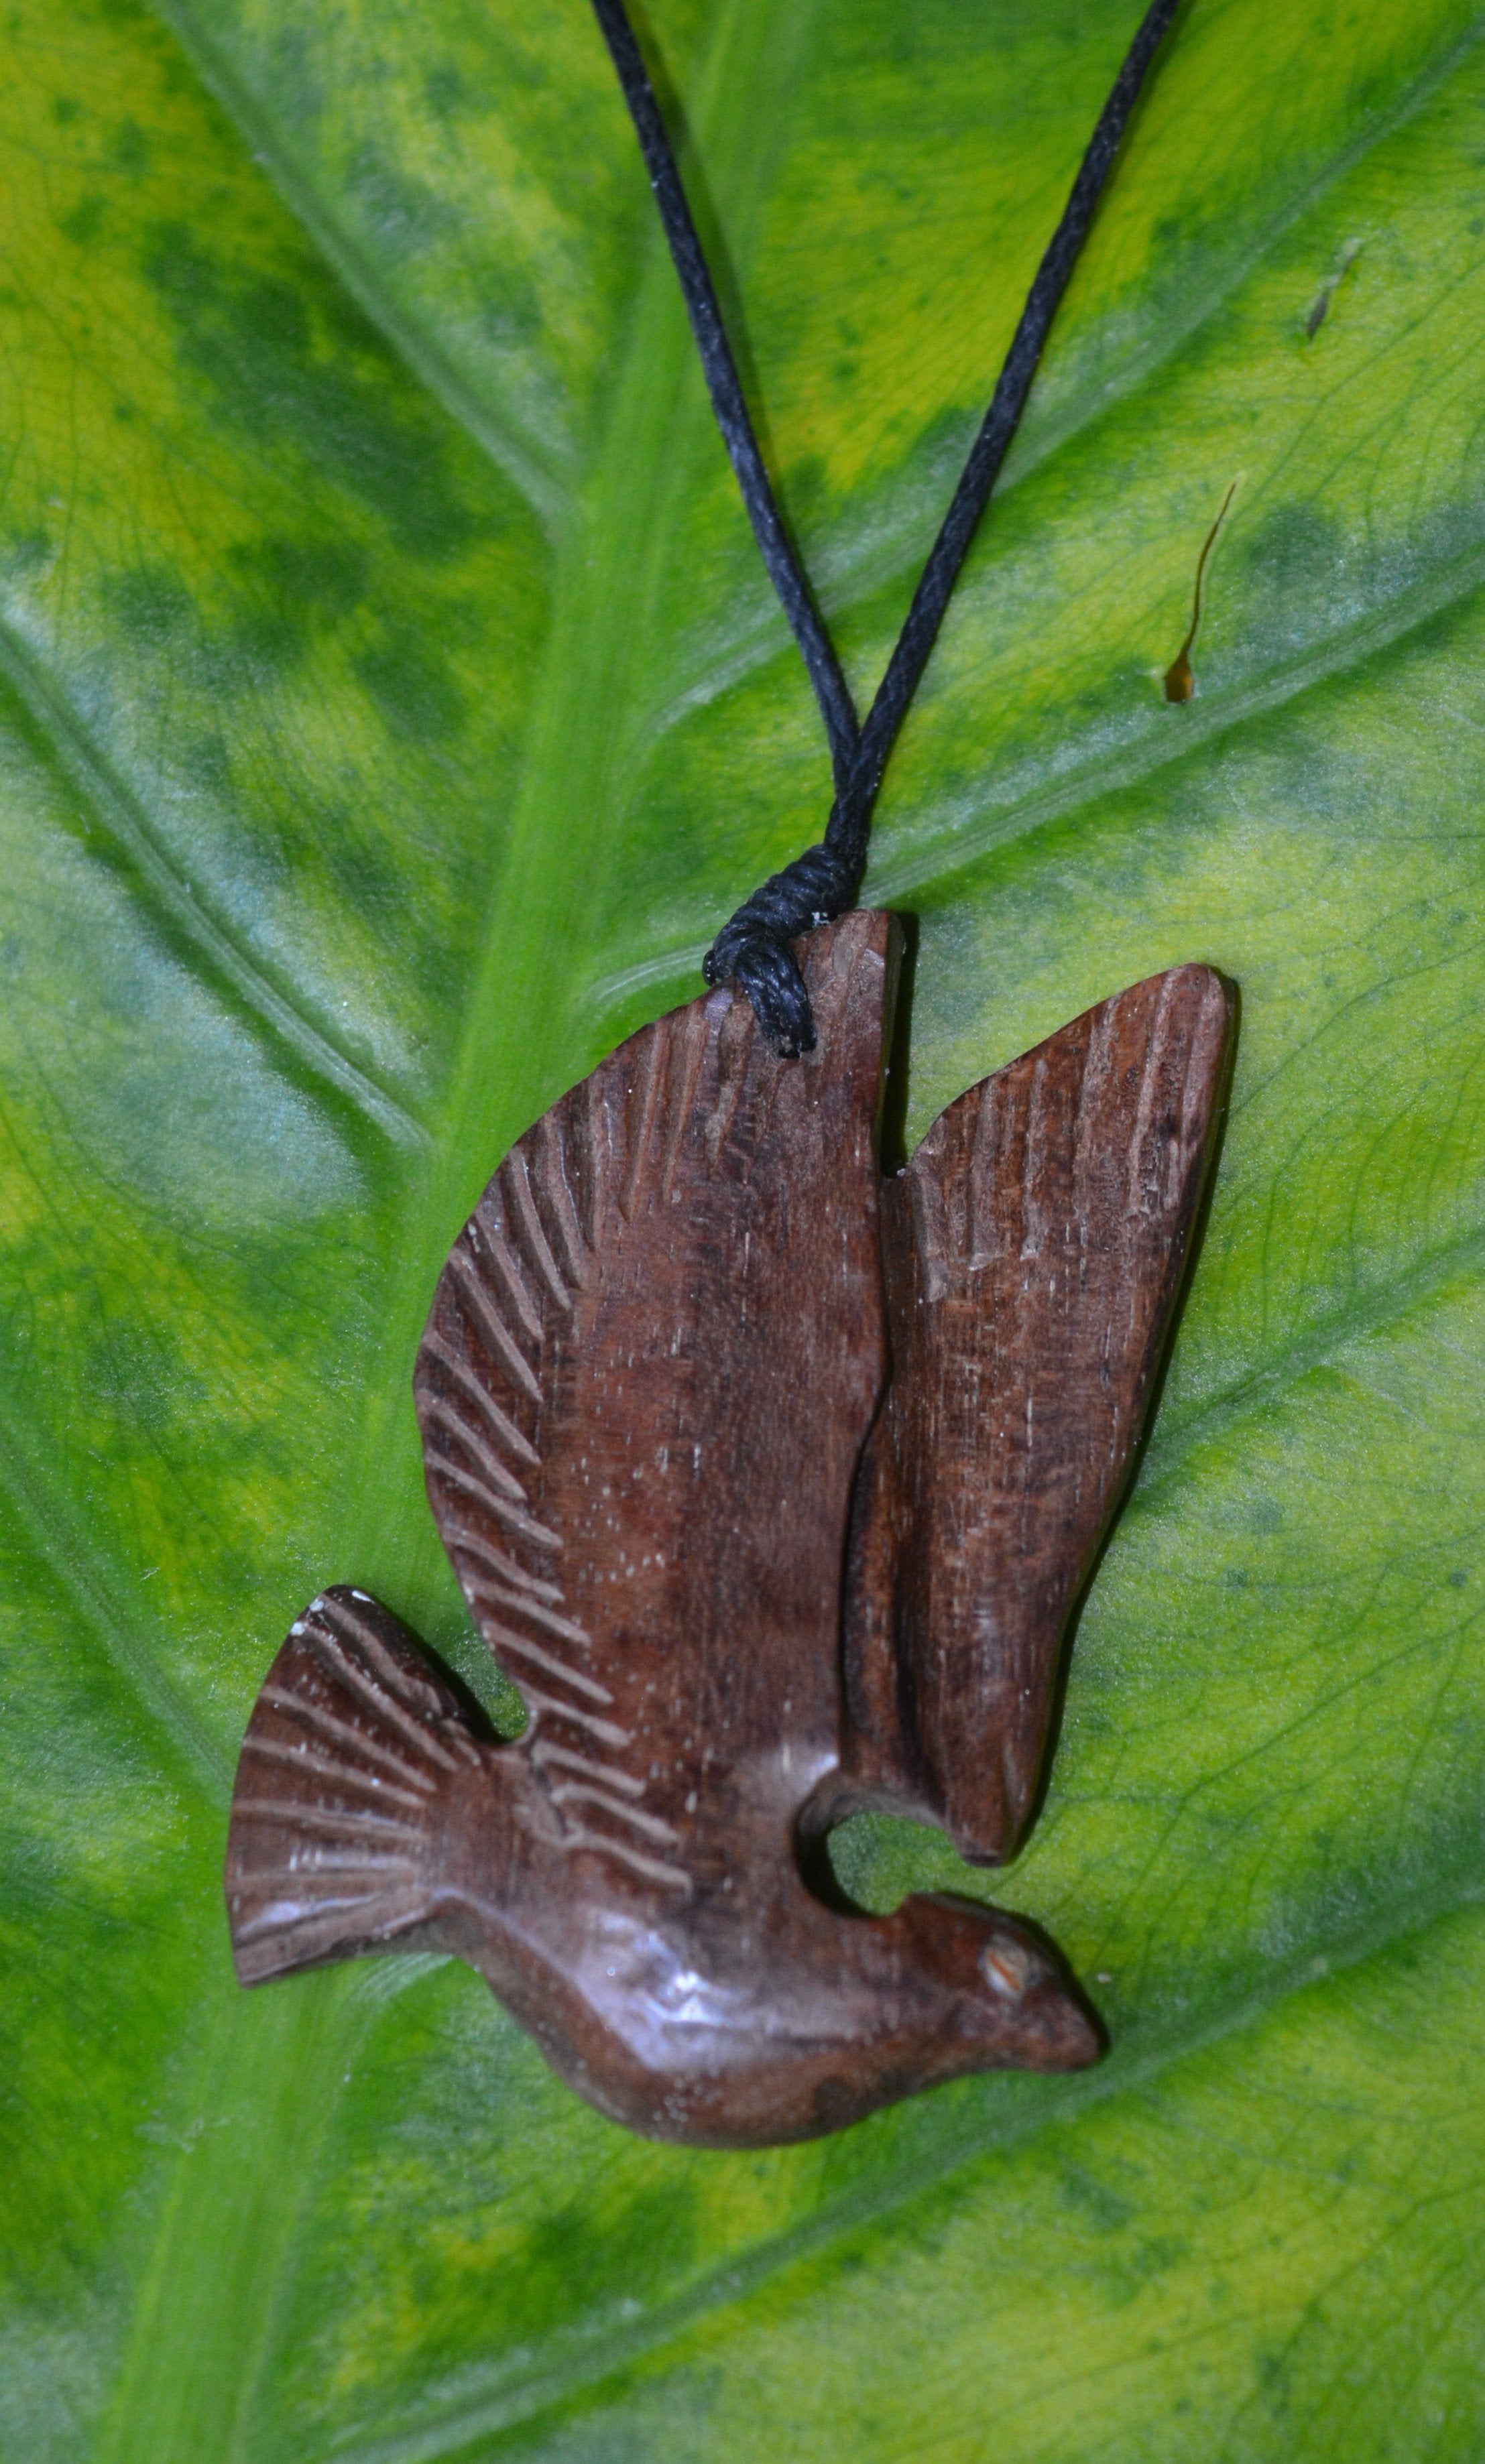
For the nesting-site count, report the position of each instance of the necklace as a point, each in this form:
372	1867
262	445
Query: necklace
773	1483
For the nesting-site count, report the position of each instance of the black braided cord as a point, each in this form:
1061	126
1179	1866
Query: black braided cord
755	948
733	418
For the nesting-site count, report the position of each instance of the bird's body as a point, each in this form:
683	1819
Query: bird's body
681	1403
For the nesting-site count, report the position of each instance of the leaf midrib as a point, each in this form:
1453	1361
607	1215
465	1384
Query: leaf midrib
379	1505
727	2285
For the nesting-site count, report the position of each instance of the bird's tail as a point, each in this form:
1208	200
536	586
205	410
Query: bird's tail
355	1754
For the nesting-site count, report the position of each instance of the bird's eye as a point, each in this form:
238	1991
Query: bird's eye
1005	1966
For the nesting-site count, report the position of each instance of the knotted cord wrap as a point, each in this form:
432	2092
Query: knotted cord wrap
754	949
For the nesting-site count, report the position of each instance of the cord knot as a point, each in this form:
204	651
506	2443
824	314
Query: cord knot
755	948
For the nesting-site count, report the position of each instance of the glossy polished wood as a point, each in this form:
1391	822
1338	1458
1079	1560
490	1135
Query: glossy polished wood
743	1580
1034	1249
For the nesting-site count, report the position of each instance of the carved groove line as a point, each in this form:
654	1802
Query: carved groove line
1098	1095
1144	1181
298	1890
305	1759
1032	1124
522	1259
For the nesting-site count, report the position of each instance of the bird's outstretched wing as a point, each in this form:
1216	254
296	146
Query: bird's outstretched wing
1034	1249
651	1366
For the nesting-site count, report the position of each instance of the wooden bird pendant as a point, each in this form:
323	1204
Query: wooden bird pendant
773	1487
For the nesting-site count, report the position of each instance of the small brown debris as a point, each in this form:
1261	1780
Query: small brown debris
1180	681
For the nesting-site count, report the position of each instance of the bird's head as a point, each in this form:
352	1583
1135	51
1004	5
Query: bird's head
1014	1994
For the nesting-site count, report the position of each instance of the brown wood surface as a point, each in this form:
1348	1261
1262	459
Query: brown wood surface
658	1425
1034	1249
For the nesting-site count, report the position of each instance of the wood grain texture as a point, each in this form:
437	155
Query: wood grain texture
356	1758
646	1378
1035	1250
742	1581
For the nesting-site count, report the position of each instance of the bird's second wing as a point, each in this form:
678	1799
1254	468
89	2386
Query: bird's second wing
1034	1249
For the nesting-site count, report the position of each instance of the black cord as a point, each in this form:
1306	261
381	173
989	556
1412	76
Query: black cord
755	948
728	402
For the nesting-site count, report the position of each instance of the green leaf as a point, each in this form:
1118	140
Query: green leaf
390	706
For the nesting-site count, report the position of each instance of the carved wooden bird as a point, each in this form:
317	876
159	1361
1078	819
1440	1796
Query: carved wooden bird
773	1486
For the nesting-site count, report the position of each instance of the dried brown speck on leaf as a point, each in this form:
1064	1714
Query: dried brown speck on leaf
1180	681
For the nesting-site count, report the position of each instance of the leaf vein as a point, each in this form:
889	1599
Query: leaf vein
115	811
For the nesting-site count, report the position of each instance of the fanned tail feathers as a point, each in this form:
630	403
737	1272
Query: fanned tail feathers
352	1753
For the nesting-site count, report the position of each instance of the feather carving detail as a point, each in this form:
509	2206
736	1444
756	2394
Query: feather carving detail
772	1487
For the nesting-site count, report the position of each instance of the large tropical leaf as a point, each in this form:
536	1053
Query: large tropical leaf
392	706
